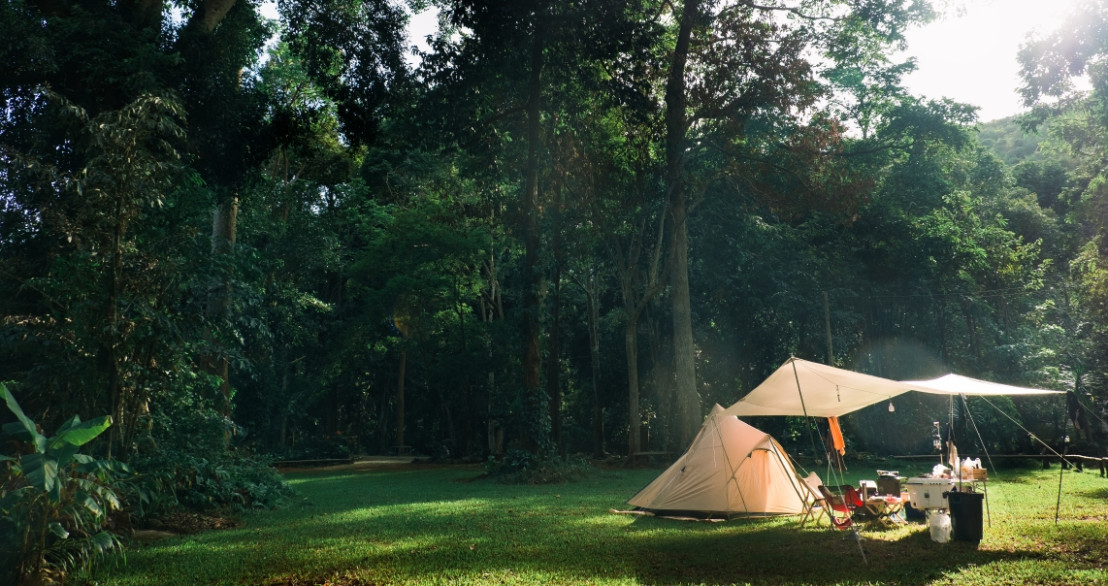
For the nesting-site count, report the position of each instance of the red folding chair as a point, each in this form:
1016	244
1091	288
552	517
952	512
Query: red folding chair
842	505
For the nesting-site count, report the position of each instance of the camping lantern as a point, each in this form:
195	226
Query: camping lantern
936	437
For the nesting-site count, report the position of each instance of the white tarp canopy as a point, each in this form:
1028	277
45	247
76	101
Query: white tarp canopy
800	387
811	389
954	384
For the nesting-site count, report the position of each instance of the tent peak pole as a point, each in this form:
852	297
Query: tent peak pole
804	408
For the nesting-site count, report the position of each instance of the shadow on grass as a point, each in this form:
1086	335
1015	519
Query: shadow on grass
1096	493
491	538
786	554
422	526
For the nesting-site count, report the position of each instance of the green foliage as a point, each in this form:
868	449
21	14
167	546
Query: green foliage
180	482
525	467
318	448
997	423
55	502
1011	142
517	190
196	470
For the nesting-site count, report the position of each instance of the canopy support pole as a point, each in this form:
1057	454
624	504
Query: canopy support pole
1061	469
804	408
984	448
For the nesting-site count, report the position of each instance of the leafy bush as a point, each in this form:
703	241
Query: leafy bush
319	448
194	468
523	467
230	480
54	501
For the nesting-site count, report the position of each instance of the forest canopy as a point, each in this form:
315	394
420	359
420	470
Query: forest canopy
561	228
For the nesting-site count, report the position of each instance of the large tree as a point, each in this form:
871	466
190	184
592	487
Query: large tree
501	74
741	80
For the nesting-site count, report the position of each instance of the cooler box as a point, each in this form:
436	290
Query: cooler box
928	493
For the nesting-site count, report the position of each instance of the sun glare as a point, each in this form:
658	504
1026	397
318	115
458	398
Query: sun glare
970	55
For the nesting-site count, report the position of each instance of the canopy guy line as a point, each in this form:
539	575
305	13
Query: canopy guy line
1027	431
984	448
1062	456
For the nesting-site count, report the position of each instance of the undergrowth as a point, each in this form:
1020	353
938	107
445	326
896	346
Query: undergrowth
522	467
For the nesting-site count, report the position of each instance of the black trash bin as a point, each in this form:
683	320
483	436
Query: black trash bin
965	515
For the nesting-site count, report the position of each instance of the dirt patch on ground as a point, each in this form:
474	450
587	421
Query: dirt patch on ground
332	581
372	463
183	523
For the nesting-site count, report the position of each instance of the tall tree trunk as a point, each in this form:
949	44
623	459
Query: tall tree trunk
207	15
554	336
224	230
553	366
634	305
594	359
532	358
676	121
492	309
660	379
401	375
631	347
115	284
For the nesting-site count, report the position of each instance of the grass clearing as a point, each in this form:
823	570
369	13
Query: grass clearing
437	525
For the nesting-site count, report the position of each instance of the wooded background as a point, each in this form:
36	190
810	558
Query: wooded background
566	227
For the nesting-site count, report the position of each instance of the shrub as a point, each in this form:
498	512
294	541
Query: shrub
195	468
230	480
54	501
319	448
523	467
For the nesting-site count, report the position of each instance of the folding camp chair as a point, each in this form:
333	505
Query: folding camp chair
842	505
887	505
815	504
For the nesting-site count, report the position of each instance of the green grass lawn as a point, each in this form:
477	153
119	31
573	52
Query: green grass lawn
441	525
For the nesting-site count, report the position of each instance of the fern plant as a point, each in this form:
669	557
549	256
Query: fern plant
54	501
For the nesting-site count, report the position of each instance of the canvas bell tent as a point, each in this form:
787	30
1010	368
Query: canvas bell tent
730	469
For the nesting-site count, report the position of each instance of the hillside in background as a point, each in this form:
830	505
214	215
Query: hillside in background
1010	141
